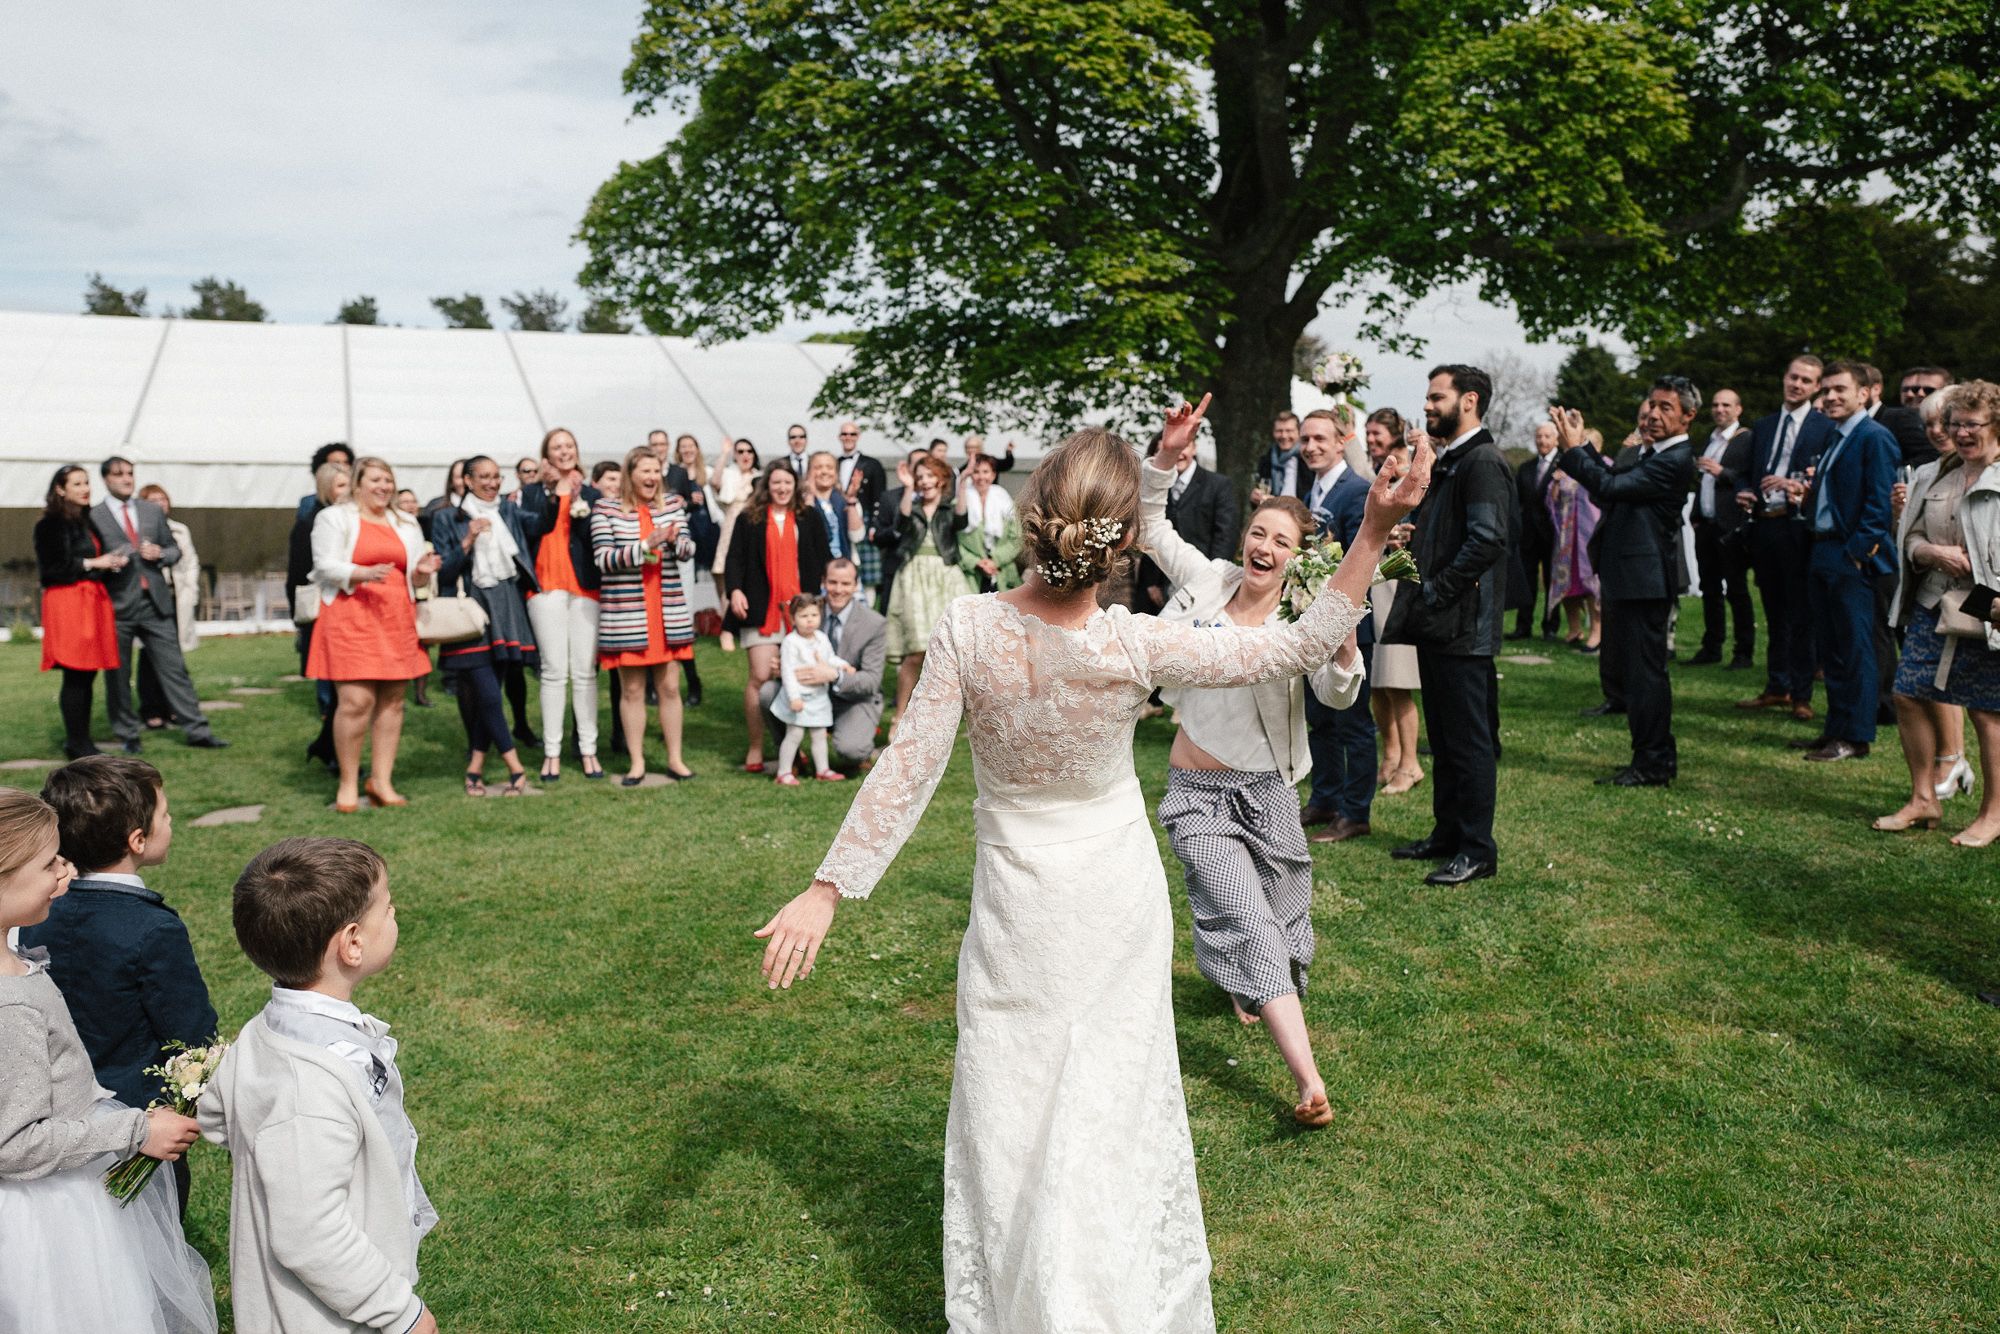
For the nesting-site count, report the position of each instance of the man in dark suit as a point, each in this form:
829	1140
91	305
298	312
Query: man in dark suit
144	606
1783	447
1342	741
1847	513
862	481
1455	618
1723	469
1202	508
1636	552
1901	422
1538	531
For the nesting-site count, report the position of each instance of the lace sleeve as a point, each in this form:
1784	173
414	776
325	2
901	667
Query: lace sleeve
889	804
1175	654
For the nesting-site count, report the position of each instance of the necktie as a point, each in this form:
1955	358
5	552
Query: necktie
1783	466
132	534
833	631
1179	487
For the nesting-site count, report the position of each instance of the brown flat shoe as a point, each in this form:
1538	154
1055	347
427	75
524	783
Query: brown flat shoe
1902	820
1767	700
1343	829
1802	712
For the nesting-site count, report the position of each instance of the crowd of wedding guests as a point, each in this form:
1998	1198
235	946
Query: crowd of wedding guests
1860	523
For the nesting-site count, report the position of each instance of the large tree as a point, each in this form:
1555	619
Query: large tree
539	311
220	299
361	310
1037	208
463	312
101	298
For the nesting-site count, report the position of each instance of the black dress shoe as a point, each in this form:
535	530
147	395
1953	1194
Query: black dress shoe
1517	634
694	697
1740	664
1630	776
1604	710
132	747
1708	657
76	750
1800	743
209	742
1459	870
526	736
1423	850
1835	750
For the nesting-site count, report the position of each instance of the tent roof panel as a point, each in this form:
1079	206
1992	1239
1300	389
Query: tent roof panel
432	395
242	393
68	384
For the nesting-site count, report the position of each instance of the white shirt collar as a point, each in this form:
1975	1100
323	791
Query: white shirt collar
1798	414
1463	438
318	1002
115	878
1186	467
1669	444
1873	408
1324	482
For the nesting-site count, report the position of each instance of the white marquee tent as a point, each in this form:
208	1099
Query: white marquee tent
226	415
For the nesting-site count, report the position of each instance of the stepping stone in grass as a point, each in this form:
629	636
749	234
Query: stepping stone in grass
290	679
229	815
30	764
1528	659
252	690
493	790
208	704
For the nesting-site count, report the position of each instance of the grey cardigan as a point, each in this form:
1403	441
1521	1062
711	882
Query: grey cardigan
47	1098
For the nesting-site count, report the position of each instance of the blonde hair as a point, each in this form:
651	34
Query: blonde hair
628	491
25	820
1079	507
323	480
363	464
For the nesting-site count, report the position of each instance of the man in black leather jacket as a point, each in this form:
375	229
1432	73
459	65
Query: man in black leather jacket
1455	618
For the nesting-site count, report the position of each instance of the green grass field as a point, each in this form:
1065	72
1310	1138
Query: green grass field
1703	1058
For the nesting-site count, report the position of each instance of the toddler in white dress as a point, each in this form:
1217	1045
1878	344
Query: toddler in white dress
805	708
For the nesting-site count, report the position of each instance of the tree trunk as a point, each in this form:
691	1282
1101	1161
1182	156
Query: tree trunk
1253	383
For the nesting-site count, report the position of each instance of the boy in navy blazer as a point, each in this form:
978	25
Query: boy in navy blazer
120	956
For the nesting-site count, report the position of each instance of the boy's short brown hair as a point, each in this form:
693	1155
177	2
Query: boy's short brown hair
295	895
99	800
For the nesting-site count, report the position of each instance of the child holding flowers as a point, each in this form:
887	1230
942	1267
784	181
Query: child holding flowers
325	1208
70	1257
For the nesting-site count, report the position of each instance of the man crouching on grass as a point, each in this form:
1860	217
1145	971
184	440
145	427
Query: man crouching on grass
325	1207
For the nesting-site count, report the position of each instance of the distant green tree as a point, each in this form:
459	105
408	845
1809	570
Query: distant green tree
845	337
361	310
463	312
604	316
1591	381
101	298
539	311
218	299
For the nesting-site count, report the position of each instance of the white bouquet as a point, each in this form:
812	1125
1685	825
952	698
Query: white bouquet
1306	574
187	1073
1339	374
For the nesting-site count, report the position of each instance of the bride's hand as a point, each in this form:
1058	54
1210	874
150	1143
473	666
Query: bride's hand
1394	495
1177	436
795	934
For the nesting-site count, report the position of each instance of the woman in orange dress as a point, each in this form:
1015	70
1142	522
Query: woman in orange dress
79	631
369	561
639	537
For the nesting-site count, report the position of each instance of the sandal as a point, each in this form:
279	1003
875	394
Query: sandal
475	785
629	781
517	784
551	771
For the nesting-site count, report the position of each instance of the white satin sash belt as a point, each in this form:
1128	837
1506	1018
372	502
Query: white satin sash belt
1014	828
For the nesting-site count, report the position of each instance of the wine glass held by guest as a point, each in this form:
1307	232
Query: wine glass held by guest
645	630
368	562
1950	540
564	610
486	543
1051	1058
79	628
777	550
928	575
1229	810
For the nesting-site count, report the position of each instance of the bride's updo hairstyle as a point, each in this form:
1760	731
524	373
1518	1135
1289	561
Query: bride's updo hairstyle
1080	509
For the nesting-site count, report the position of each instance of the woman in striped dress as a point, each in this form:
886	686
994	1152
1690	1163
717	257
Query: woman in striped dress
644	626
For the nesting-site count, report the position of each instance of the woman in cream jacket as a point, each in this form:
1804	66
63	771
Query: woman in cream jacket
1230	809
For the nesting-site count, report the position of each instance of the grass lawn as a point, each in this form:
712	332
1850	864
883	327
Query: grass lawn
1699	1058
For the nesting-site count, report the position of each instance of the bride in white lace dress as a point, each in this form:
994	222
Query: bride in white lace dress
1070	1204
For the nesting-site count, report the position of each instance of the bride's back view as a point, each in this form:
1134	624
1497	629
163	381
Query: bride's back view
1070	1196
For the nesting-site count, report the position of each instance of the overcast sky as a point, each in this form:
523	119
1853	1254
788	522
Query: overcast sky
316	153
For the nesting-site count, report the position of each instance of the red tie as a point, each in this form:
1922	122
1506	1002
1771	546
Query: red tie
125	511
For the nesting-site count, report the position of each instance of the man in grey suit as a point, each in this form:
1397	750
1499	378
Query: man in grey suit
860	636
144	605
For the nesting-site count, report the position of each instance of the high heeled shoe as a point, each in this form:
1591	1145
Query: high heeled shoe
1958	780
1899	822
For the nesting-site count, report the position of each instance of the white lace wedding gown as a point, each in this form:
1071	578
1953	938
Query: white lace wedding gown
1070	1204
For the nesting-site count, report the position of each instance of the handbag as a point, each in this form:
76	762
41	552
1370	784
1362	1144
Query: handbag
305	604
1953	619
450	620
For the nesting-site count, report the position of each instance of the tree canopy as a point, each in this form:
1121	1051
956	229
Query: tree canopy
462	312
1040	208
539	311
605	317
101	298
219	299
361	310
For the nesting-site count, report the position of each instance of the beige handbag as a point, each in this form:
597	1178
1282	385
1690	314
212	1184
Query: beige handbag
450	620
1953	621
305	604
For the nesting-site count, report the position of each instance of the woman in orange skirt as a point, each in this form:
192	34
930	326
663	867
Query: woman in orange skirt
368	561
644	628
79	631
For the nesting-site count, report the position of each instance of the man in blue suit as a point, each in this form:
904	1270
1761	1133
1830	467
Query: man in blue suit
1784	447
1342	741
1846	510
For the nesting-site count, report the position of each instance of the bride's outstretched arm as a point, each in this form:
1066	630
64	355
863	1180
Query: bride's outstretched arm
1181	655
885	811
